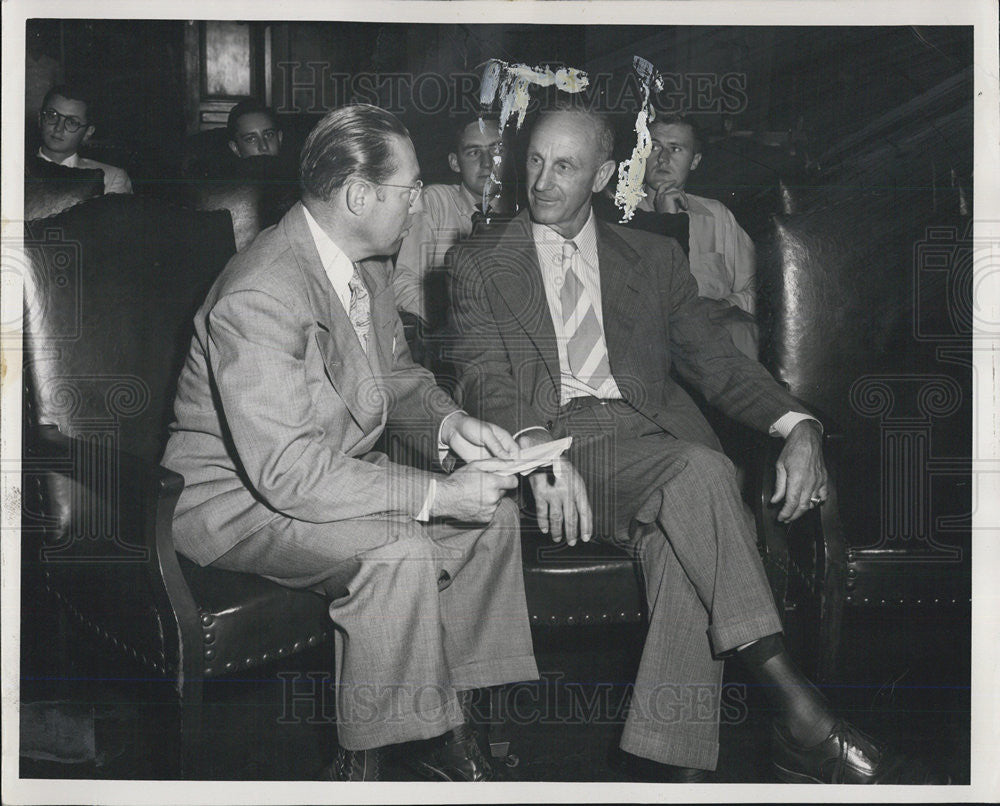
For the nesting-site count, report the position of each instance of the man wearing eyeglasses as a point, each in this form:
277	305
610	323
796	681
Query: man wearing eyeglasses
65	125
297	368
447	215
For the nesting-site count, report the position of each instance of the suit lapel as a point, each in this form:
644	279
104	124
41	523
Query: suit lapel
516	275
621	293
346	364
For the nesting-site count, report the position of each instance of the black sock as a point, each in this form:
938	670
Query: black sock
802	709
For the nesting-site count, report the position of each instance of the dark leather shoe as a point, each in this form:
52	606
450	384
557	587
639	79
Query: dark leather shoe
357	765
846	756
456	756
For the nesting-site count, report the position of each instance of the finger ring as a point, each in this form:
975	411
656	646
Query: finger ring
814	500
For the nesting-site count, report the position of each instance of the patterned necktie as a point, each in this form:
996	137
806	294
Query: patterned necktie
360	311
585	348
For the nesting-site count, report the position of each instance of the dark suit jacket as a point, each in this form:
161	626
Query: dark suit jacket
505	347
278	408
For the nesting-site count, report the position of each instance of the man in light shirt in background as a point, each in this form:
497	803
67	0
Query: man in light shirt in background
447	216
720	253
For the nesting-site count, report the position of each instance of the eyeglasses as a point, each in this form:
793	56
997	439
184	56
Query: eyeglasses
415	189
51	118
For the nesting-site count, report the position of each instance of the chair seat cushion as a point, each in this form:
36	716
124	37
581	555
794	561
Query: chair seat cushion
247	620
589	583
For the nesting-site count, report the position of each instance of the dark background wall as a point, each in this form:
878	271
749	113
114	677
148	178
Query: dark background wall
805	89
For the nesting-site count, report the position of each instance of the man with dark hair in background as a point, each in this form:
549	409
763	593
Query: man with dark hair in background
253	130
297	367
447	216
568	326
65	123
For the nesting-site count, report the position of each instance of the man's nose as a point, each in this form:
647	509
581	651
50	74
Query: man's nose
60	123
486	160
544	178
263	146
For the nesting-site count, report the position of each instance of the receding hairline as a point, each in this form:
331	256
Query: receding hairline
600	128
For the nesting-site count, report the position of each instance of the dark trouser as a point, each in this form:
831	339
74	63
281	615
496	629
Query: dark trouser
677	505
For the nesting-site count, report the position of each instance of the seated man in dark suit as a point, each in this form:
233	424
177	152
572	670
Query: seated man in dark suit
65	123
565	326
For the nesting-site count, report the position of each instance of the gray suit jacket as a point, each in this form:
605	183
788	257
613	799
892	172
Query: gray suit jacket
654	320
278	407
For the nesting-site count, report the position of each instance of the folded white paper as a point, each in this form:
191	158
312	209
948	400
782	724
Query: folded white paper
528	459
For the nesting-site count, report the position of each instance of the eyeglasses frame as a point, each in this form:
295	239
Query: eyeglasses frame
72	129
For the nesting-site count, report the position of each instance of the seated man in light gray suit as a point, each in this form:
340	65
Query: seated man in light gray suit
297	367
567	325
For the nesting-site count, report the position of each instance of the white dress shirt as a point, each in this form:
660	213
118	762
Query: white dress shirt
549	249
443	219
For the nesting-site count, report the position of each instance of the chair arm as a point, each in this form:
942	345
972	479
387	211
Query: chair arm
140	501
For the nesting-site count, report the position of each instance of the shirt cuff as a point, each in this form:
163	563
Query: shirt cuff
425	511
442	447
530	428
783	426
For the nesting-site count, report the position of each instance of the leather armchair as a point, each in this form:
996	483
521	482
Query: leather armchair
253	203
116	282
50	188
865	309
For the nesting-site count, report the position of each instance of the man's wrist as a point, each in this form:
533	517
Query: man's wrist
529	437
783	426
446	430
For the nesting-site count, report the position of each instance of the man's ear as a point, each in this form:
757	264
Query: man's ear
356	197
603	174
280	135
695	161
453	163
88	134
234	148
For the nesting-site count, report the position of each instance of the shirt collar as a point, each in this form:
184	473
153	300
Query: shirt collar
72	161
338	267
585	239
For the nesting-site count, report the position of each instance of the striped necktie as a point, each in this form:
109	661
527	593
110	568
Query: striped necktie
585	347
360	310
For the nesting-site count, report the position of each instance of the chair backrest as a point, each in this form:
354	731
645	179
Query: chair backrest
111	293
253	203
117	281
50	188
866	315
